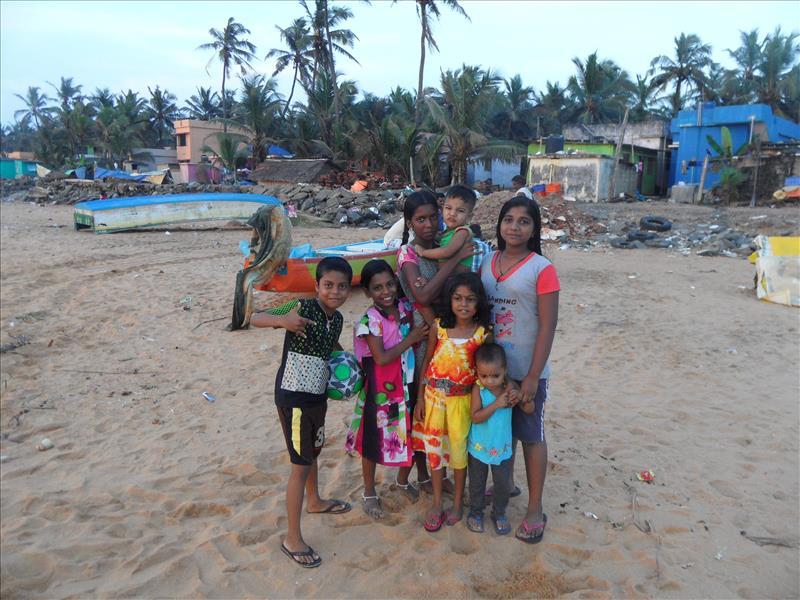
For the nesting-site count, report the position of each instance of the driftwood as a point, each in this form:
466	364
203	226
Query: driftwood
771	541
19	341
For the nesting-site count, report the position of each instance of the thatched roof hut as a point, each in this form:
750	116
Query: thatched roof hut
293	170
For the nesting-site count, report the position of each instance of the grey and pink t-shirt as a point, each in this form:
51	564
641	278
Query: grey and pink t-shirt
514	297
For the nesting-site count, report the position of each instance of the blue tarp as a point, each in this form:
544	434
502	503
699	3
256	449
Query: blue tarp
101	173
278	151
174	199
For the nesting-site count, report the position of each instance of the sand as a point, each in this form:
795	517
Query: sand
661	361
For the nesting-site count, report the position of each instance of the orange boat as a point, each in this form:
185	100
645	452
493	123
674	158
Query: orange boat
299	274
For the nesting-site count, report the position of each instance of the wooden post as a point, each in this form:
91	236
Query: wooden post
617	154
699	195
755	173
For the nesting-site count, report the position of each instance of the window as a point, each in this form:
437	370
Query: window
181	139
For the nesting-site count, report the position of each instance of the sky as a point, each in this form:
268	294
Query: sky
122	45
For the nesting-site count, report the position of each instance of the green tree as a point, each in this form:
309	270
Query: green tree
426	11
298	54
161	112
257	112
204	105
36	109
101	97
773	73
66	92
230	49
230	150
598	90
460	111
551	106
685	70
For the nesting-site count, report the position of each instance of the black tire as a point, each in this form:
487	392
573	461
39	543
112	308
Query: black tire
655	224
622	244
641	236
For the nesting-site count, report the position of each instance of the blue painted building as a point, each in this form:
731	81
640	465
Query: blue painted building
746	122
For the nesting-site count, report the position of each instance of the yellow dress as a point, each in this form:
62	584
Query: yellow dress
443	433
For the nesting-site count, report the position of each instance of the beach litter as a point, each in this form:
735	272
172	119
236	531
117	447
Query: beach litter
591	515
647	476
44	445
209	397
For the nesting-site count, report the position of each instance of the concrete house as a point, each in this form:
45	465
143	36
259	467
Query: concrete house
191	135
746	122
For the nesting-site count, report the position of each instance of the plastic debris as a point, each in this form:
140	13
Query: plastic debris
647	476
591	515
209	397
45	444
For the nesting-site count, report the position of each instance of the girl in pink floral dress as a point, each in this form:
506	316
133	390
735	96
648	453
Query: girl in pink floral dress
381	427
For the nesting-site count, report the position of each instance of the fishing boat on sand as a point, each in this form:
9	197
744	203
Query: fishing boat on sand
299	274
135	212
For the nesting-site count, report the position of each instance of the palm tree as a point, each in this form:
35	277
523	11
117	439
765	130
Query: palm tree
513	117
101	98
66	92
427	9
779	55
161	112
299	55
325	40
459	112
257	111
36	108
230	49
598	90
229	151
686	69
644	102
204	105
551	106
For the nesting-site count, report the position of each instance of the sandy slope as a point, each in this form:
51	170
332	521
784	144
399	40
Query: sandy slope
661	361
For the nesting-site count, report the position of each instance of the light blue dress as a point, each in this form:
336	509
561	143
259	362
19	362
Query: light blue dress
490	441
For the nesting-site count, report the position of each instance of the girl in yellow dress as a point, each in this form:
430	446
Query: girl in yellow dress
442	413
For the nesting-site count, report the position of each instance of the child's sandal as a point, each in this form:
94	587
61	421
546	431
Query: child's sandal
372	506
475	522
408	489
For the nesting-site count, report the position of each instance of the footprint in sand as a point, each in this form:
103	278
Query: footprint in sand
725	488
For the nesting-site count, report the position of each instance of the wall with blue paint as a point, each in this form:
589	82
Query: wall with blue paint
500	171
690	128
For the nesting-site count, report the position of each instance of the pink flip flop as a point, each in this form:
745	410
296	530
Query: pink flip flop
435	524
526	529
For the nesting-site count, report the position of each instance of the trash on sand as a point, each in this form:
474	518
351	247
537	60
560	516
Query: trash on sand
777	262
687	565
591	515
167	233
45	444
719	555
647	476
732	351
209	397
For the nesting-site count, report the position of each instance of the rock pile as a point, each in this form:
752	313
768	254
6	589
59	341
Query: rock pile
375	208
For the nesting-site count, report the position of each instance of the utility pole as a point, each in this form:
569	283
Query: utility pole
617	154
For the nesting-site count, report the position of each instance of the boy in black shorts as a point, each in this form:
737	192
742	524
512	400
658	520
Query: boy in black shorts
312	333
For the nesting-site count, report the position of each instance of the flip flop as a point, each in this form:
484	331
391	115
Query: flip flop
526	530
434	524
451	519
336	507
501	525
475	523
302	553
514	493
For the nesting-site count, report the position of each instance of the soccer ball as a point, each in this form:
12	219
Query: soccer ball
346	378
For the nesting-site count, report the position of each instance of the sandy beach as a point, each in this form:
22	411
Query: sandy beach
661	361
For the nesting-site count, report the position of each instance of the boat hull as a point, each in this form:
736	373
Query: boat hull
136	212
299	274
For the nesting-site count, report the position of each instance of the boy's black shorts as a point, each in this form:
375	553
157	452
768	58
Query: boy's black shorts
304	431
